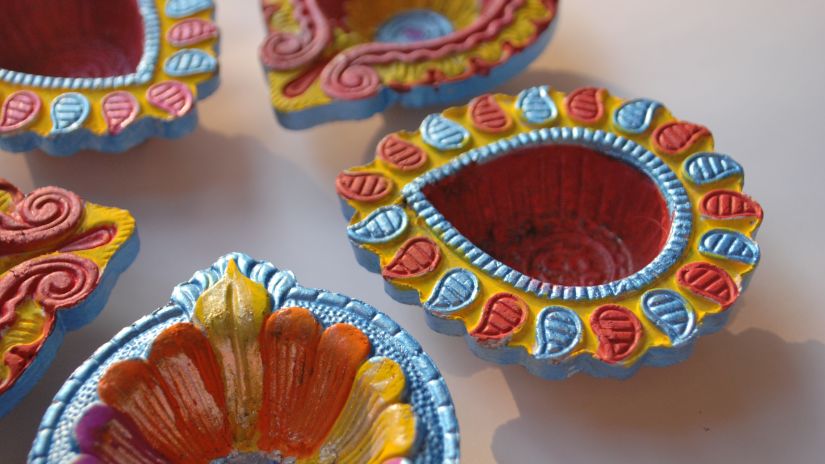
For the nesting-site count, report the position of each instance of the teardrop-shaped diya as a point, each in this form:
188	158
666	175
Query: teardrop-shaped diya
567	233
349	59
60	256
245	366
106	77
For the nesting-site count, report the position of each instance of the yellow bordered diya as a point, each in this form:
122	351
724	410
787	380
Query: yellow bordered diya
246	366
567	233
103	77
60	256
348	59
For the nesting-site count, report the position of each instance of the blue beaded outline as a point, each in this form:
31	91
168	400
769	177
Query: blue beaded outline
611	144
143	74
427	391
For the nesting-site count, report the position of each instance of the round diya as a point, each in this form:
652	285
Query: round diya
566	233
76	76
349	59
60	256
246	366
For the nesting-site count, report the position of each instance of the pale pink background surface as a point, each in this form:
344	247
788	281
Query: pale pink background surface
750	70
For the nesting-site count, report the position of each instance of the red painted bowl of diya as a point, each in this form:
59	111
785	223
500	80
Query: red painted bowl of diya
567	233
244	365
349	59
104	77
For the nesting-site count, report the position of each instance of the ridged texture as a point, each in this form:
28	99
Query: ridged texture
381	226
191	31
502	317
729	204
20	110
42	219
69	112
363	186
675	138
106	436
488	116
636	116
709	281
455	290
536	106
443	134
671	313
558	332
707	168
729	244
400	154
183	8
190	62
586	105
171	96
619	332
120	109
416	257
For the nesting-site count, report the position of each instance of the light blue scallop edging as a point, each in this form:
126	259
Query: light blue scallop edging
143	73
71	319
419	96
427	390
608	143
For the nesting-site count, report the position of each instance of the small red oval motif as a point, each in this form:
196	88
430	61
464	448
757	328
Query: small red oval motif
171	96
586	105
362	186
120	109
488	116
728	204
676	137
19	110
191	31
504	314
416	257
618	330
401	154
709	281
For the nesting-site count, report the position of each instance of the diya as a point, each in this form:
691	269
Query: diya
76	76
59	258
246	366
348	59
568	233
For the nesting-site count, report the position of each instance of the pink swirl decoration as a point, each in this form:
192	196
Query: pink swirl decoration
44	217
346	80
282	51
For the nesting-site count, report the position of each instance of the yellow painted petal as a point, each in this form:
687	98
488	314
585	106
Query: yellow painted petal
30	327
231	313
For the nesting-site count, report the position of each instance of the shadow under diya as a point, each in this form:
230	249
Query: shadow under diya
349	59
105	77
245	366
568	233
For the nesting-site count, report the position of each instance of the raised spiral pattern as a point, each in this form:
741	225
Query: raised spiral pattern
346	80
283	51
44	217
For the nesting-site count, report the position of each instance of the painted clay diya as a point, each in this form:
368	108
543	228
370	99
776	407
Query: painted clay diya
59	258
246	366
567	233
106	77
348	59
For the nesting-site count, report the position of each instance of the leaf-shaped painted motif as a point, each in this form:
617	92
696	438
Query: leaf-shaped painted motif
536	106
363	186
671	314
558	332
106	435
674	138
191	31
171	96
488	116
709	281
443	134
183	8
728	204
20	109
729	244
618	330
69	112
400	154
456	290
416	257
706	168
381	226
120	109
189	62
586	105
636	116
503	316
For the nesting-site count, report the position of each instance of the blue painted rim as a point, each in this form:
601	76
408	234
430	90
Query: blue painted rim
426	390
607	143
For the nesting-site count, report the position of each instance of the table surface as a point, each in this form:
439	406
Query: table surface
752	71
